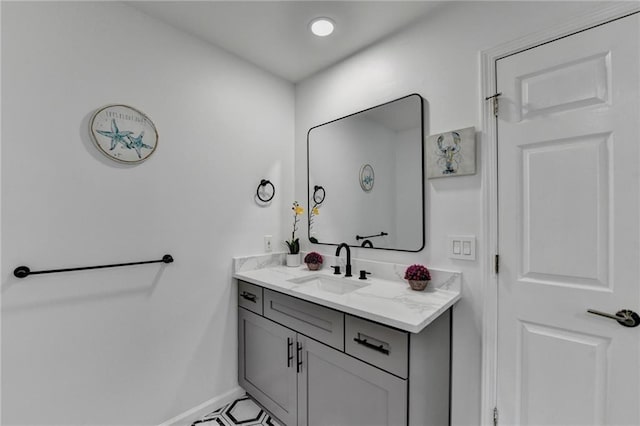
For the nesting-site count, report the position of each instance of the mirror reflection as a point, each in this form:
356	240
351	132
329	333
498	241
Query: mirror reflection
366	178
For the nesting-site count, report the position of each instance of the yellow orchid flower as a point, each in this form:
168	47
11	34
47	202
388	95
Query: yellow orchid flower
294	243
315	211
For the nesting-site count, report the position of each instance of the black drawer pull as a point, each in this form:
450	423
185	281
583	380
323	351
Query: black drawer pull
299	356
289	351
364	342
249	296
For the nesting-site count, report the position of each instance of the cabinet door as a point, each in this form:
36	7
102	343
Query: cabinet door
267	364
337	389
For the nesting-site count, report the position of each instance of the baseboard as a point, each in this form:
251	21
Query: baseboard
193	414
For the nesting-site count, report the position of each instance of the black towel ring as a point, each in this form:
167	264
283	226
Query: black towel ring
316	196
263	183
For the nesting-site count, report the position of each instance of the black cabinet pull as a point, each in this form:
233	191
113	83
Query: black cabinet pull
289	351
249	296
299	356
364	342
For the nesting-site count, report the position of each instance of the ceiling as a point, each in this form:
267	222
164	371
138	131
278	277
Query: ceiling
274	34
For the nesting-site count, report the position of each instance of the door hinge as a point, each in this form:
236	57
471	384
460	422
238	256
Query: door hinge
496	265
494	102
495	416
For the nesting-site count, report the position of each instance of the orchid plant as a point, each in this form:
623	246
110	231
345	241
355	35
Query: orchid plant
315	211
294	243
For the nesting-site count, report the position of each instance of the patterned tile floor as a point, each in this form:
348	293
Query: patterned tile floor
243	411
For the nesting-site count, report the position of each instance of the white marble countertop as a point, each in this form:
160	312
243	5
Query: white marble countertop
387	301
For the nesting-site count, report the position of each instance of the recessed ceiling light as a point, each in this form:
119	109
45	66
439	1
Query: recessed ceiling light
322	27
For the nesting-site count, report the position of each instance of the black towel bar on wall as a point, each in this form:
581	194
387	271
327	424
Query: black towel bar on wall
24	271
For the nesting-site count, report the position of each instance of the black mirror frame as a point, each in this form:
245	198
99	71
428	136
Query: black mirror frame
422	180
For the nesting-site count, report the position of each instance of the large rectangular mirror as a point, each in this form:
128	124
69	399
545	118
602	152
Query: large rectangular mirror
366	178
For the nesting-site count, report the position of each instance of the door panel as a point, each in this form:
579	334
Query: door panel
564	190
264	368
561	87
569	229
543	348
336	389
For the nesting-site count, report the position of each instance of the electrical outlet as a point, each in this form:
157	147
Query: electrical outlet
268	243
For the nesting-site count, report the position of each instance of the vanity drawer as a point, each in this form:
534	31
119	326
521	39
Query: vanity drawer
322	324
377	344
250	297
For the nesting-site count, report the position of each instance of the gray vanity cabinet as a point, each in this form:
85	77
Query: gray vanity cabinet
310	365
267	365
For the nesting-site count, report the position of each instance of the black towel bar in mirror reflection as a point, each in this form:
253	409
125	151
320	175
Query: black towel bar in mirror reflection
381	234
24	271
263	184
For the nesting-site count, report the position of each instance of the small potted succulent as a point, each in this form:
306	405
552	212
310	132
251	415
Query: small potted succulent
418	277
313	260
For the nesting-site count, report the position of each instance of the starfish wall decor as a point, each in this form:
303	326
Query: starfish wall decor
107	130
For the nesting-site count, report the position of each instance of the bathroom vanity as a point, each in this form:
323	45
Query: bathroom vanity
320	349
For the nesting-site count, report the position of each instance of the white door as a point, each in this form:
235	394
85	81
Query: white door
569	229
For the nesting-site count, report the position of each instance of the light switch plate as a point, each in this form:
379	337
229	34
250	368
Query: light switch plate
462	247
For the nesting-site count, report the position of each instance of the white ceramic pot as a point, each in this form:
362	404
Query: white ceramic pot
293	259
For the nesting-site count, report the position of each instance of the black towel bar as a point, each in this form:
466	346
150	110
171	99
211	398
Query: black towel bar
382	234
24	271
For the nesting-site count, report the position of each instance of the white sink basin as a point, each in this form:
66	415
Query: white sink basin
329	284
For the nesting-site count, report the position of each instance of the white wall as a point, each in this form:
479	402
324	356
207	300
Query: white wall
439	59
134	345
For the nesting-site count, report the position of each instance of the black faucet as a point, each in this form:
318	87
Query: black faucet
348	266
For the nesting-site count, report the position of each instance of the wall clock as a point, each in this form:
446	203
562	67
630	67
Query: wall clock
366	177
123	133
